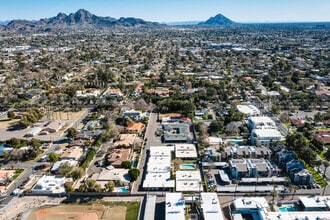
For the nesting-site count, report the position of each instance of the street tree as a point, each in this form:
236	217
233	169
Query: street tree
126	164
110	186
72	133
134	173
53	157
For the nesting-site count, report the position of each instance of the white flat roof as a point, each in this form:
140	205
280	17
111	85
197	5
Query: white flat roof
262	122
185	150
267	133
211	206
158	180
214	140
298	215
159	168
249	188
188	181
248	203
315	202
248	109
174	206
224	176
49	184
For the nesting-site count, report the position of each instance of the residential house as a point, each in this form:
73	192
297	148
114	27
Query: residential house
49	184
265	136
303	177
113	93
294	166
170	118
284	156
174	206
133	114
188	181
127	140
248	110
84	137
163	92
211	206
185	151
323	136
158	172
251	168
261	123
77	143
176	133
297	123
214	141
201	112
90	125
135	128
72	153
117	156
311	204
238	152
120	177
211	154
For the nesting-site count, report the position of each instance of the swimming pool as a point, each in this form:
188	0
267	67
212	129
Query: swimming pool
287	209
236	142
187	166
122	189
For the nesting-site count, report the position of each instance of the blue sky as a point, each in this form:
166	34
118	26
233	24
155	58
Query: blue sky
174	10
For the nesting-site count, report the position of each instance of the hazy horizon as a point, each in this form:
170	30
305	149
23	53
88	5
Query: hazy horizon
243	11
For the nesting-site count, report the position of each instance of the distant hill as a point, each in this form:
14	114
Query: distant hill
4	22
82	19
218	20
183	23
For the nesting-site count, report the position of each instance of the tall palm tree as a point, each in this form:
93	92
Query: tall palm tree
257	176
293	190
274	194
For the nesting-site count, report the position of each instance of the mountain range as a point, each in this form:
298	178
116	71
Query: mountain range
83	19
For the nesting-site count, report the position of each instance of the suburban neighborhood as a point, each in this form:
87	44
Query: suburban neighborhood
176	122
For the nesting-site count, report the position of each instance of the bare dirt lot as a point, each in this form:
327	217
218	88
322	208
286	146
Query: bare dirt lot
79	212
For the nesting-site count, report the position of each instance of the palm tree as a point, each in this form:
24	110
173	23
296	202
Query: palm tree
257	176
192	199
109	186
273	194
293	188
200	184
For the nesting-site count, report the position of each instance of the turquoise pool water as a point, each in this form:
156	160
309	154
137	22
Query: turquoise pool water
238	142
287	209
123	189
187	166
